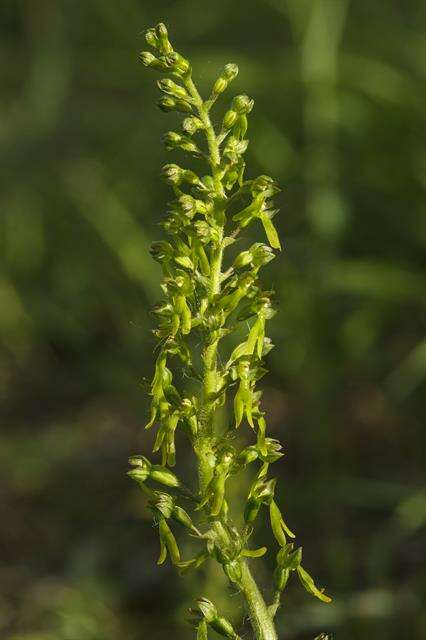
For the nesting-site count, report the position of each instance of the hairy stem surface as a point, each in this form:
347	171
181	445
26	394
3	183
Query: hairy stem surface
260	618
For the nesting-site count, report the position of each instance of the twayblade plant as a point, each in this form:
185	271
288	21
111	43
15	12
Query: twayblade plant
206	303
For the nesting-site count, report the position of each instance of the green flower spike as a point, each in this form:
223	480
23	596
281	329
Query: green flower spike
212	325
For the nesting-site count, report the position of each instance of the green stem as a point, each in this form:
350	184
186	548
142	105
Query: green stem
204	445
260	618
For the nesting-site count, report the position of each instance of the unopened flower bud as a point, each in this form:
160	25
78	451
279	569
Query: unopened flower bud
168	86
150	60
219	86
161	31
151	38
147	58
251	510
178	63
172	174
168	103
164	476
281	577
160	250
289	559
140	475
142	469
163	39
227	75
240	127
181	516
188	205
242	104
233	571
230	71
243	260
229	119
224	628
192	124
191	177
139	461
172	139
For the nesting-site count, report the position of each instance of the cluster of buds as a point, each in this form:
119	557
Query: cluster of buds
205	300
166	59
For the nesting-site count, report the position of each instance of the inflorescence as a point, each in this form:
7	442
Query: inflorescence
206	305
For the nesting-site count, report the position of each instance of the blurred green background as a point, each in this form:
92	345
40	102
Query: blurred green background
338	120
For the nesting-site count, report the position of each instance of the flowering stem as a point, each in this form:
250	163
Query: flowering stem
204	445
260	619
209	302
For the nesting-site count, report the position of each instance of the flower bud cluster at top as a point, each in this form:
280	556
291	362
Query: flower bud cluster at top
205	300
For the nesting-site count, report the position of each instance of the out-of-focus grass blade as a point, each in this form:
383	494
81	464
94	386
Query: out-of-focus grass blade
381	280
115	224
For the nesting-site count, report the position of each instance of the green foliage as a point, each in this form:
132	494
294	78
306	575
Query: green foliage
205	301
